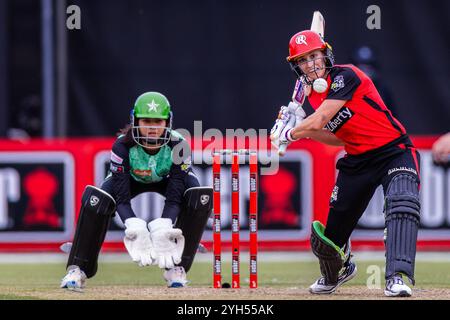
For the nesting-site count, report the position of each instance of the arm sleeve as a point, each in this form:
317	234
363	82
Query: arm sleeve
343	85
120	180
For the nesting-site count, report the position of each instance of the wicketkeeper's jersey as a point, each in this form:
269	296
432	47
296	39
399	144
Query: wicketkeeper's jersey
364	123
133	170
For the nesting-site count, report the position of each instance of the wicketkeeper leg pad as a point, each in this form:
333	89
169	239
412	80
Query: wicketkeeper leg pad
197	206
331	257
97	208
402	211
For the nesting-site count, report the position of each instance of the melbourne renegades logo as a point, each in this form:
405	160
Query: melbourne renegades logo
301	40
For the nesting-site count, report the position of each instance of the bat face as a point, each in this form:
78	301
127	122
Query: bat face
299	93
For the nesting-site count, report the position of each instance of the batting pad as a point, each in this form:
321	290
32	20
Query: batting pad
331	257
319	229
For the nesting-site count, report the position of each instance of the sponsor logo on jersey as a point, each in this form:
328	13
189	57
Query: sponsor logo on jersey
116	168
402	169
339	119
338	83
185	167
186	164
142	173
115	158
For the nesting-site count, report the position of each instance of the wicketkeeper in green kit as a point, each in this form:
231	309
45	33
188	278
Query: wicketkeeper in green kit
148	156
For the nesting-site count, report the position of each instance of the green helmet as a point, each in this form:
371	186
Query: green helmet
151	105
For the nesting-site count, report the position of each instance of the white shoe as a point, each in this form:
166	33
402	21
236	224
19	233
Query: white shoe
176	277
321	287
75	279
395	287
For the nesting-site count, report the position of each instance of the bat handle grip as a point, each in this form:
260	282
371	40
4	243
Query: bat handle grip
282	149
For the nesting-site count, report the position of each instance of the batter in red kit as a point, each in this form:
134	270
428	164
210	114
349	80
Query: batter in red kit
349	112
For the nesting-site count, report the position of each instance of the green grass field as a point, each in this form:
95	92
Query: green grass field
277	280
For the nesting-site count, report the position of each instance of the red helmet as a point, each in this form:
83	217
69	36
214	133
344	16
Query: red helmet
305	42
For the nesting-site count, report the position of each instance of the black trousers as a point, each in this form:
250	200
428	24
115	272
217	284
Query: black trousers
358	178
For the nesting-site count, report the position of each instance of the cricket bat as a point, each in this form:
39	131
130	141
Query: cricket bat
318	24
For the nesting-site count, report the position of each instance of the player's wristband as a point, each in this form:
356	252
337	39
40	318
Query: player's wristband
289	135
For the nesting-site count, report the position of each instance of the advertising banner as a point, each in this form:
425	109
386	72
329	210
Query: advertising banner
41	183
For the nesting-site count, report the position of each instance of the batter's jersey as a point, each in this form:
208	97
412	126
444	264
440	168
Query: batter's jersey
364	123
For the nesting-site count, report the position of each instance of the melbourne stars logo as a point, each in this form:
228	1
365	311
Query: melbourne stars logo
153	106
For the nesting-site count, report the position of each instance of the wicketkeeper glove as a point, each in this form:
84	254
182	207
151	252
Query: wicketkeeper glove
168	242
138	243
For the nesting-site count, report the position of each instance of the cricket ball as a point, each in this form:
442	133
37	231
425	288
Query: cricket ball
320	85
